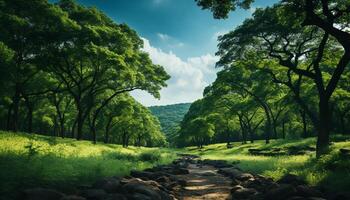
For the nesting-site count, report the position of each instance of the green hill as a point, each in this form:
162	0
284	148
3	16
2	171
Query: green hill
170	117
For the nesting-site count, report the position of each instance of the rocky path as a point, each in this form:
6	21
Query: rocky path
204	182
189	178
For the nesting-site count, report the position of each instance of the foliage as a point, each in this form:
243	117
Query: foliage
64	64
170	117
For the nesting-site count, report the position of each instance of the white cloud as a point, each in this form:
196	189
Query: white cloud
188	77
163	37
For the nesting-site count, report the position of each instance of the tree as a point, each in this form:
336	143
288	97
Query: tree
329	16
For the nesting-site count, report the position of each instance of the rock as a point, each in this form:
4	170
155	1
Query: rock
182	182
73	197
163	179
209	173
143	174
149	189
291	179
110	185
179	171
243	193
217	163
236	187
41	194
235	182
116	197
231	172
244	176
306	191
282	192
94	194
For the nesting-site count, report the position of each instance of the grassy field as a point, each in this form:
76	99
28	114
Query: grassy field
332	171
33	160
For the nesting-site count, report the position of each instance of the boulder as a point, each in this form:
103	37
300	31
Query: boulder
179	171
231	172
149	189
245	176
110	185
94	194
236	187
306	191
41	194
243	193
291	179
282	192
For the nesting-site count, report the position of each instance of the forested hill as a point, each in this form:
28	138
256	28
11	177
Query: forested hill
170	116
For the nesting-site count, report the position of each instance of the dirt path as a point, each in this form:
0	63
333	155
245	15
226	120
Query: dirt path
189	178
203	182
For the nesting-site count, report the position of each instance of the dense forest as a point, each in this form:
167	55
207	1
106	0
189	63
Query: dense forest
170	117
66	71
284	74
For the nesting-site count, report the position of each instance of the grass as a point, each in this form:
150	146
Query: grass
33	160
332	171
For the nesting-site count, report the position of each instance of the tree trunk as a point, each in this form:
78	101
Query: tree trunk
303	118
322	146
9	113
16	99
80	122
108	125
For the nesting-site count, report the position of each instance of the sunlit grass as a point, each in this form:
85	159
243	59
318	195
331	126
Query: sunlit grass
331	170
34	160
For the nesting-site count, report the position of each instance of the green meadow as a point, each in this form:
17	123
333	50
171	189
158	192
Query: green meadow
34	160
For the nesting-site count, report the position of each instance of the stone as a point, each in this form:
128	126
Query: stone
231	172
244	176
243	193
180	171
41	194
182	182
163	179
73	197
94	194
306	191
142	188
110	185
209	173
282	192
236	187
291	179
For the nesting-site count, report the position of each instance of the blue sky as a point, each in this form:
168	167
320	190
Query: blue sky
178	35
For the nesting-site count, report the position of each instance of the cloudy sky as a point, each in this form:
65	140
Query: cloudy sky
178	35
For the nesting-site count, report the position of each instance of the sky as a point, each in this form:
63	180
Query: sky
178	35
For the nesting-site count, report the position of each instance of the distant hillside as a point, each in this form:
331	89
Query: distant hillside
170	117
